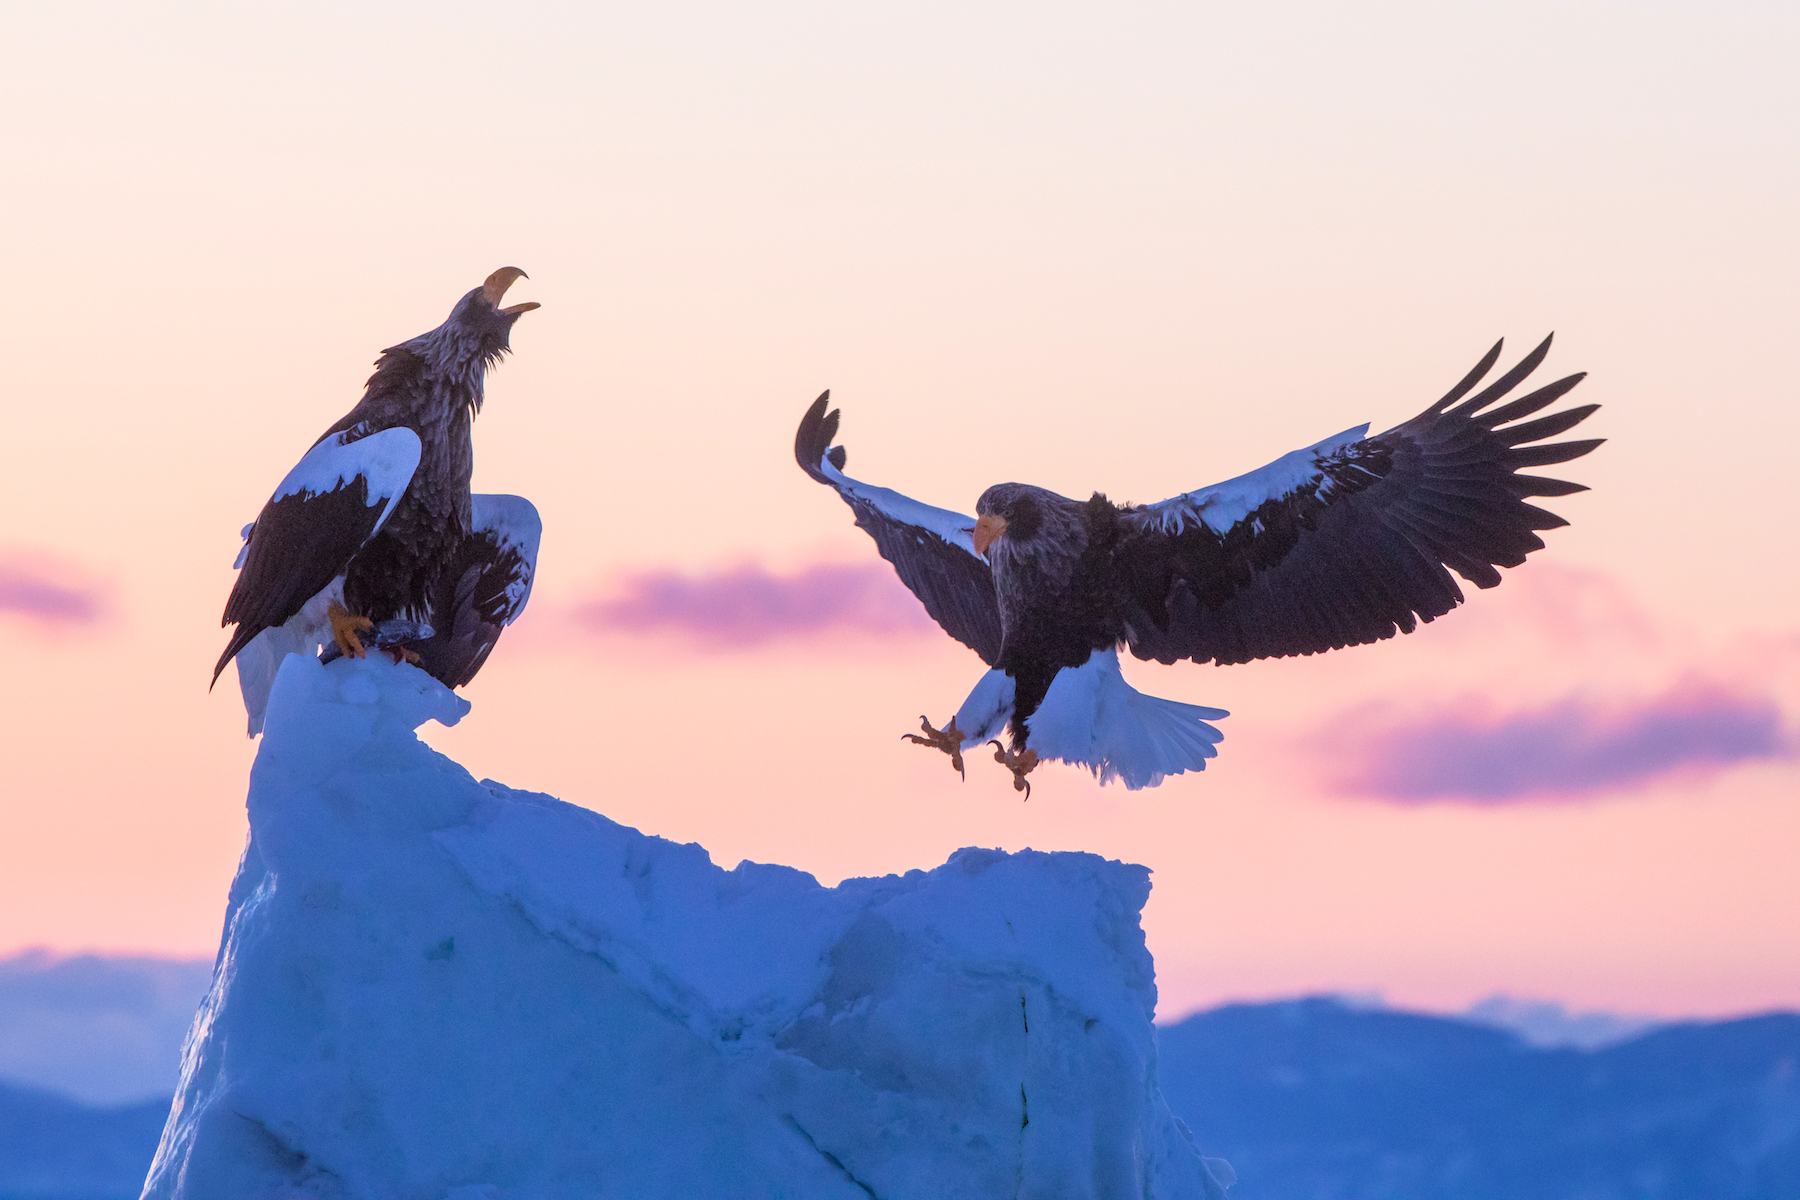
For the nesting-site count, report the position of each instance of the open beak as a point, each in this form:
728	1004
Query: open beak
495	290
987	528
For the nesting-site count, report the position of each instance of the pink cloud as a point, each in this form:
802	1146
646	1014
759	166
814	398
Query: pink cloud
46	593
751	605
1569	750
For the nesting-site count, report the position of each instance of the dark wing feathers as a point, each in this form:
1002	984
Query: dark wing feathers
483	588
1474	377
929	547
328	506
298	545
1355	539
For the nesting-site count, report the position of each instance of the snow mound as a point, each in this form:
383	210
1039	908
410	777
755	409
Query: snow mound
435	988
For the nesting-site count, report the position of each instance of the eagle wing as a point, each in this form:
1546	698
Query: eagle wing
1347	541
930	548
484	587
335	499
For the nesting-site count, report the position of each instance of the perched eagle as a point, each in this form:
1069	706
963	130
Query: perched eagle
374	536
1346	541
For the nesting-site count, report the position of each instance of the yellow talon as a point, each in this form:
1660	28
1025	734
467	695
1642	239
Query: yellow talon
1019	762
949	739
345	625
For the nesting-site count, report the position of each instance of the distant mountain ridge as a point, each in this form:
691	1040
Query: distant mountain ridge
1310	1099
53	1148
1546	1023
102	1029
1316	1100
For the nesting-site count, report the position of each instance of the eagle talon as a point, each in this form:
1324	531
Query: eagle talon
345	628
949	739
1019	762
403	654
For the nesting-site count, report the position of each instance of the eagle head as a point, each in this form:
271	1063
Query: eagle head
478	330
1015	511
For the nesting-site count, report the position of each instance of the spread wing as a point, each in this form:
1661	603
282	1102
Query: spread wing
930	548
1348	540
334	500
483	588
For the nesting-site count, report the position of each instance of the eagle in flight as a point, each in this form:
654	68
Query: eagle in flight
373	539
1346	541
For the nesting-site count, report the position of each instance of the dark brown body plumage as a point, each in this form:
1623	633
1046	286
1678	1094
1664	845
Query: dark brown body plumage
398	568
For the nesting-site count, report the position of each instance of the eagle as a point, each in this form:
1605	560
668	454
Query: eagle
1344	542
374	539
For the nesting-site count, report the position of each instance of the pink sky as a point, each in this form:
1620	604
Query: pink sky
1092	248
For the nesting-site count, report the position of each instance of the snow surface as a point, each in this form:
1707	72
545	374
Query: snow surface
436	988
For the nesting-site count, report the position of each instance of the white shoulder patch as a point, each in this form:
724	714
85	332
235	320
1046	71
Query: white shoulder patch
1223	505
952	527
385	460
512	521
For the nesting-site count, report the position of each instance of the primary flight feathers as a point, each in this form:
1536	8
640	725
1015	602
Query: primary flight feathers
929	547
1343	542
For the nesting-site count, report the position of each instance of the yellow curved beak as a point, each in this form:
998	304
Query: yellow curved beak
494	289
986	530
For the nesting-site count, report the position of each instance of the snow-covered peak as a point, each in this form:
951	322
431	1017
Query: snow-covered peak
431	986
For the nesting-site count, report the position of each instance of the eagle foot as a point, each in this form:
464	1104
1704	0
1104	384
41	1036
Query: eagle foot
346	628
403	654
949	739
1019	762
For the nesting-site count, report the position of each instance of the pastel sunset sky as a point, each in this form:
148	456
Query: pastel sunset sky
1129	247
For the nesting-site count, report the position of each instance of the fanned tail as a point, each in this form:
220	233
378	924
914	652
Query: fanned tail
1093	718
260	658
257	663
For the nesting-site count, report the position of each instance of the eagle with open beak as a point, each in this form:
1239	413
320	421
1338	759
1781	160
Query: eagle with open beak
374	537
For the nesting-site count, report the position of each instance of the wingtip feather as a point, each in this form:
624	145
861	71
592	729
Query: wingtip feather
1473	377
1544	454
818	429
1511	379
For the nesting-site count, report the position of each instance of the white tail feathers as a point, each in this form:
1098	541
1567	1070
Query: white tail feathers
1092	717
258	661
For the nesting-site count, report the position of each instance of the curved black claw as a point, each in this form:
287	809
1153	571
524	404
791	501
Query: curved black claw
1019	762
949	739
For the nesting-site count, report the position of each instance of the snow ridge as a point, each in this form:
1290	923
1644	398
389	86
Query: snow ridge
435	987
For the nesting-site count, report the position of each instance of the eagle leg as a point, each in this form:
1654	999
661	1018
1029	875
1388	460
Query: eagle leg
1019	762
345	628
949	739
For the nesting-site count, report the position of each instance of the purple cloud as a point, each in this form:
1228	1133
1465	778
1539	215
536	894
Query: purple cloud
751	605
1569	750
38	591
